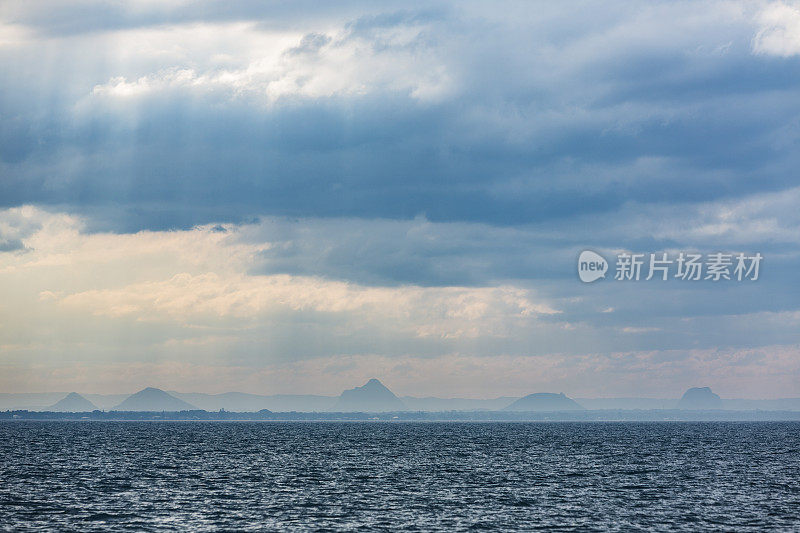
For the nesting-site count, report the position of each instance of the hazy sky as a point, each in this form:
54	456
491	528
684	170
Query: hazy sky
298	196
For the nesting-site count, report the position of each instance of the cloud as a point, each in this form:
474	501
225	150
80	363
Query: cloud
253	185
779	30
77	293
390	112
51	18
452	312
285	65
222	292
765	372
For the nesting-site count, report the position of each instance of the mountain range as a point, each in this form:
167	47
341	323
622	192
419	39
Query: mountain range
373	396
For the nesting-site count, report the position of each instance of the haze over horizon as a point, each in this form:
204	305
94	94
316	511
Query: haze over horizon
333	395
270	199
374	397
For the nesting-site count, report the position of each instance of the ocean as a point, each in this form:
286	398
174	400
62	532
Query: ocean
152	476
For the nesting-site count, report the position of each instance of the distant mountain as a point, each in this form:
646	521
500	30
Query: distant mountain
300	402
32	401
151	399
545	401
106	402
373	396
73	403
430	403
700	398
244	402
627	403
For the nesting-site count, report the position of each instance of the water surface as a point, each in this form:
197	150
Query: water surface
412	476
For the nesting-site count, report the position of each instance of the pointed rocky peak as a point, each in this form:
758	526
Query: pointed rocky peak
73	403
374	384
152	399
370	397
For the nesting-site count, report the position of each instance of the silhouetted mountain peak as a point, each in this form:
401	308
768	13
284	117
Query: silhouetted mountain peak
152	399
372	396
73	403
373	384
700	398
545	401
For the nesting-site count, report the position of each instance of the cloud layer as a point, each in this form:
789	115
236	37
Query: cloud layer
223	297
209	186
172	119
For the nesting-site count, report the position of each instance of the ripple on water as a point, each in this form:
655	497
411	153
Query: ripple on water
429	476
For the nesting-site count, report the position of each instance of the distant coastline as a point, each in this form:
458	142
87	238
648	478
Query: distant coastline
375	397
597	415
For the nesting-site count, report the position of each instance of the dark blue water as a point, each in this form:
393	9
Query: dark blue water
448	476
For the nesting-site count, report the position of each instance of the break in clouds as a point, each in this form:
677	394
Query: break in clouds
290	199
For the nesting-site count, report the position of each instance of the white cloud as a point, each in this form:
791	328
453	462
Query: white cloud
779	30
13	35
759	218
196	283
249	62
447	312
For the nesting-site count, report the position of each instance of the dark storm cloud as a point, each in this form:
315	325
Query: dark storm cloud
514	142
390	158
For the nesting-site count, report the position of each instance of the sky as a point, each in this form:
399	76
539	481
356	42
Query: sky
294	197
